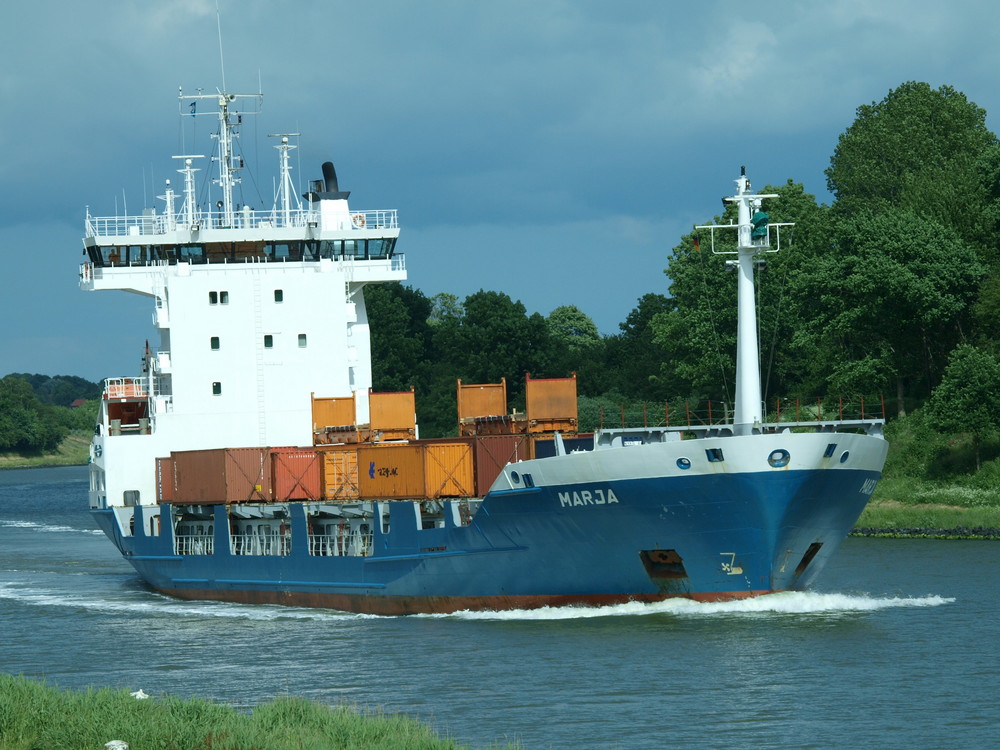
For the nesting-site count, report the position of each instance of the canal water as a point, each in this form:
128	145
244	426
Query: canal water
896	648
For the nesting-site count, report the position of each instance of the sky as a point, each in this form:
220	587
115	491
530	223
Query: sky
554	150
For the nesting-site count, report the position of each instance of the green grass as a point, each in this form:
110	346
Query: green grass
35	716
74	450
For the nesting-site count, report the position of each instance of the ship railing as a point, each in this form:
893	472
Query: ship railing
194	544
261	544
125	388
347	544
716	417
244	219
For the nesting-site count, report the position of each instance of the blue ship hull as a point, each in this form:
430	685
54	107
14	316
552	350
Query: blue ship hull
712	532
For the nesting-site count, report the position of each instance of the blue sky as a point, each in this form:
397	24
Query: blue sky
555	150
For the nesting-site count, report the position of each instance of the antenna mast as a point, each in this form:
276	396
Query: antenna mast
222	59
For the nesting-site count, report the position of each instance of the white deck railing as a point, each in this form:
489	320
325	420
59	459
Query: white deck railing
157	224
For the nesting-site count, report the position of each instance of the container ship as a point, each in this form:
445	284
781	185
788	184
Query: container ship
251	461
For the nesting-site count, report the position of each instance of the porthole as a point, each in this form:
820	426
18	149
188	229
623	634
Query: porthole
779	458
684	463
844	456
515	478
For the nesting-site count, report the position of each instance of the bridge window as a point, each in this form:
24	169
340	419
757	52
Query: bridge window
268	341
302	341
214	343
216	388
279	295
218	298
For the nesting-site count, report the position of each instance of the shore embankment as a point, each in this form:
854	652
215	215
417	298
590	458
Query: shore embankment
35	714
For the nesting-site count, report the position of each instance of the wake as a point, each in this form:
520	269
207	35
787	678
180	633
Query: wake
47	528
776	605
784	603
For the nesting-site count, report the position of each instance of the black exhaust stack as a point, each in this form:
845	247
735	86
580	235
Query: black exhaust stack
327	188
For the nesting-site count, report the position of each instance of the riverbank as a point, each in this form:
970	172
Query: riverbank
33	714
74	450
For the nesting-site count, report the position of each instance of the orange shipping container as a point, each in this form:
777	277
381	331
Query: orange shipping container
393	416
493	453
340	472
448	469
222	475
333	412
551	404
391	471
296	474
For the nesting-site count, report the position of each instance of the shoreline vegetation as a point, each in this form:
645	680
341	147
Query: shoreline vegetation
34	714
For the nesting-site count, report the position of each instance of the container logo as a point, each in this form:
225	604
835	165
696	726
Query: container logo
371	469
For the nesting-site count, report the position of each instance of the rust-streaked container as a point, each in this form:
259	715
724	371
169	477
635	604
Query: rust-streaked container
222	475
481	404
493	453
551	404
391	471
392	416
340	472
296	474
448	469
165	480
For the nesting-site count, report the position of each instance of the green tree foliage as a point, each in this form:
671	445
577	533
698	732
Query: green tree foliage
27	425
572	327
400	336
968	397
920	149
60	390
634	360
886	304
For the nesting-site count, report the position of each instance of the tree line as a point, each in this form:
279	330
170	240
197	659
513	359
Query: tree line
38	411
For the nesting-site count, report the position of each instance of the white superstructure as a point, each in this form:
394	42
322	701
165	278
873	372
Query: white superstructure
255	311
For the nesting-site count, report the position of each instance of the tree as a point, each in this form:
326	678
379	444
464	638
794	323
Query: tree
968	397
572	327
400	336
888	302
637	362
26	425
919	149
498	339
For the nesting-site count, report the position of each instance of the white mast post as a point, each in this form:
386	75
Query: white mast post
748	410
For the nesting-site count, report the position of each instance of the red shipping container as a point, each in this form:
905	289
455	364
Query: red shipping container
222	475
493	453
296	474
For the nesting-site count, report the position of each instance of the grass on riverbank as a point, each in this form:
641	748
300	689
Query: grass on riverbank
74	450
35	715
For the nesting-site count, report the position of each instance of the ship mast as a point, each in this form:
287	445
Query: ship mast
753	237
230	118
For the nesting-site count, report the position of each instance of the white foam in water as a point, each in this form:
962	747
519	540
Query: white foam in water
155	605
47	528
790	602
785	603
